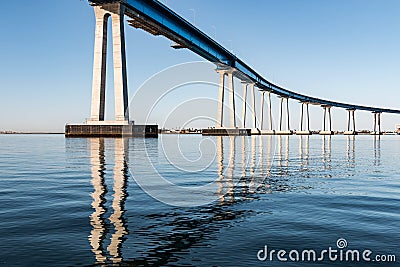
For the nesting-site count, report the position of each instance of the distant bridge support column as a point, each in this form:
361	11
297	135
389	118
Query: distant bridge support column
302	131
377	122
244	105
262	111
324	131
288	131
254	130
221	98
270	131
232	99
351	118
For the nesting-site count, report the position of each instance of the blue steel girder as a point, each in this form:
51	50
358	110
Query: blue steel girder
158	19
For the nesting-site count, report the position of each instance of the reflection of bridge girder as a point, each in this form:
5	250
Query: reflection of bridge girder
158	19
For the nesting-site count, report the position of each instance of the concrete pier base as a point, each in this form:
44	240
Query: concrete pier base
303	133
110	130
255	131
226	132
350	133
267	132
326	133
284	132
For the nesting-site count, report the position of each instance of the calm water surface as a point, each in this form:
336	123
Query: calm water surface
77	202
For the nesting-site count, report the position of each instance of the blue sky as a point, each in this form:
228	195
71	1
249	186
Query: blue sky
344	50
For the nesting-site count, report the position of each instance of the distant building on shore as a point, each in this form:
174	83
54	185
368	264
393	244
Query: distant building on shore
398	128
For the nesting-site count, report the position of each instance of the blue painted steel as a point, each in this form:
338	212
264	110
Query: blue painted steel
203	45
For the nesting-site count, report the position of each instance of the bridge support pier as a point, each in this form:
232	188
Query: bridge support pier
288	131
103	13
262	111
254	130
351	118
232	99
221	98
244	105
270	131
302	131
96	125
377	122
324	131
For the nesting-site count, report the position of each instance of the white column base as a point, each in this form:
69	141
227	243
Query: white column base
303	133
267	132
284	132
350	133
326	133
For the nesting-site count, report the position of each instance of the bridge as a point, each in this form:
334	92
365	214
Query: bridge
157	19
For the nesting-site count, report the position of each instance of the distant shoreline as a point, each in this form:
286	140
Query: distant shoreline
16	133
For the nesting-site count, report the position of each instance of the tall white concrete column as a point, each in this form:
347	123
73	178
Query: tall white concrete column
253	106
281	115
330	119
308	117
287	114
262	111
221	97
232	99
99	65
120	76
301	116
270	111
244	105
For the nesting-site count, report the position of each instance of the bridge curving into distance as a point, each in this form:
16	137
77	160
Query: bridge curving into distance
157	19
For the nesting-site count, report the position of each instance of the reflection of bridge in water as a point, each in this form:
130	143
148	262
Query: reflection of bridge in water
116	220
245	169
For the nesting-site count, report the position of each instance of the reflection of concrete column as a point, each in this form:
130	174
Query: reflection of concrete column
377	150
252	163
231	169
351	151
244	157
244	105
98	233
232	99
287	152
120	183
261	153
120	76
221	97
99	65
220	163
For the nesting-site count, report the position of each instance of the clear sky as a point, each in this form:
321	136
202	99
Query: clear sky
343	50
